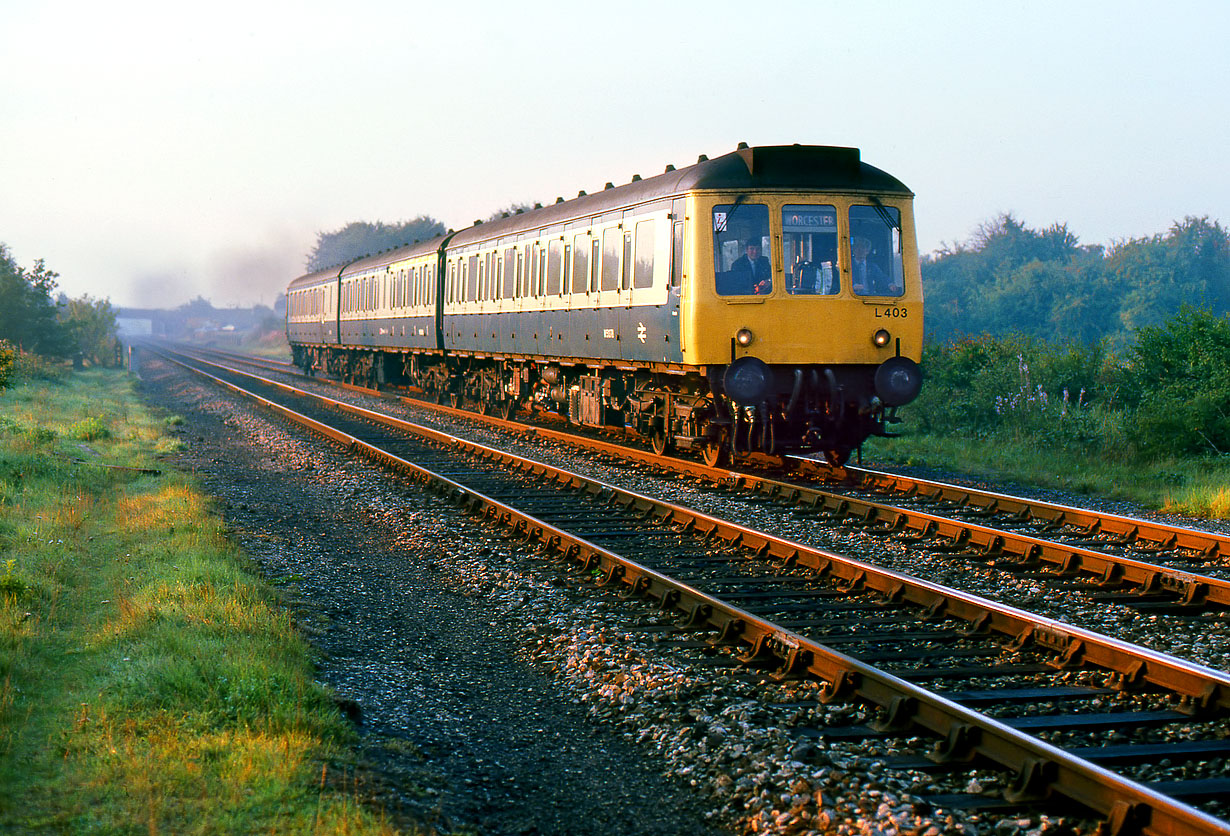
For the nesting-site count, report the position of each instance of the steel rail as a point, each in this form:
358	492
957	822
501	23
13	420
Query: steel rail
1042	770
1065	559
1190	589
1125	529
1122	529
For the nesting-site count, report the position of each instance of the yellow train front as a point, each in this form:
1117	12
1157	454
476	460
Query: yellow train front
801	303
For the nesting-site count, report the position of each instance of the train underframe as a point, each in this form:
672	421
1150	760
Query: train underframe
713	411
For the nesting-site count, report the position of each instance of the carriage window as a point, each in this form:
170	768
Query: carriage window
595	245
555	265
642	270
531	270
677	254
876	267
740	249
611	246
580	264
809	250
510	272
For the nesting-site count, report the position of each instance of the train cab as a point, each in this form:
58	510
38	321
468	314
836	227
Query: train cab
805	298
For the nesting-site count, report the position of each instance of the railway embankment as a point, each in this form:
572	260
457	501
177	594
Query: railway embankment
149	678
1144	423
261	637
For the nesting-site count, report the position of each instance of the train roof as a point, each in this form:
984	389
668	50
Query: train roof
315	278
766	167
383	259
367	262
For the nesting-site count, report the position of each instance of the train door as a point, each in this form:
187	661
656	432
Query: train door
645	318
610	296
625	315
330	313
579	340
674	303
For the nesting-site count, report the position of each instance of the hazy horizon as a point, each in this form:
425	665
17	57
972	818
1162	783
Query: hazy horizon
154	154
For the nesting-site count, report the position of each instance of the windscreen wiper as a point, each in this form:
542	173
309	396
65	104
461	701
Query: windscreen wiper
885	215
730	213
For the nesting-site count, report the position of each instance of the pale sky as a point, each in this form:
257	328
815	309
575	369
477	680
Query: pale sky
151	152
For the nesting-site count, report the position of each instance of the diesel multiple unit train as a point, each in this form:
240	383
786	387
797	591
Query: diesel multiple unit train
764	301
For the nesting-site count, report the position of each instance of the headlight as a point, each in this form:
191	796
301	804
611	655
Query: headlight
744	337
881	338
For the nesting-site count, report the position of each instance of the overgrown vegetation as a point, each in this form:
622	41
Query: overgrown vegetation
7	357
1100	369
1151	422
34	319
148	681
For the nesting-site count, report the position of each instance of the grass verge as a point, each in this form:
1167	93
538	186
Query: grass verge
148	680
1196	486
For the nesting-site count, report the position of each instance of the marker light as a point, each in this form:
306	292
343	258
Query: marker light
881	338
744	337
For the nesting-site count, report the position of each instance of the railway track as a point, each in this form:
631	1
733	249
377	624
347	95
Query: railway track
1149	565
862	633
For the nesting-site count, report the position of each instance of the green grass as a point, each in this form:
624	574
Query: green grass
1196	486
148	680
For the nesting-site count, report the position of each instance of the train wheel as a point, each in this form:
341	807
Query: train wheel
716	452
508	409
454	400
659	441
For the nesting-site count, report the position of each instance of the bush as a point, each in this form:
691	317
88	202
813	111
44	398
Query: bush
7	356
89	429
1015	385
1177	383
28	366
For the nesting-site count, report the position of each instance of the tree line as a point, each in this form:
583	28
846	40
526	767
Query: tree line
1043	283
35	319
362	238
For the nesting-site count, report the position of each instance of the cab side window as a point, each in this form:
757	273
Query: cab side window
876	266
740	249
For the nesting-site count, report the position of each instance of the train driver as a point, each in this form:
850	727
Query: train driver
752	269
867	277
